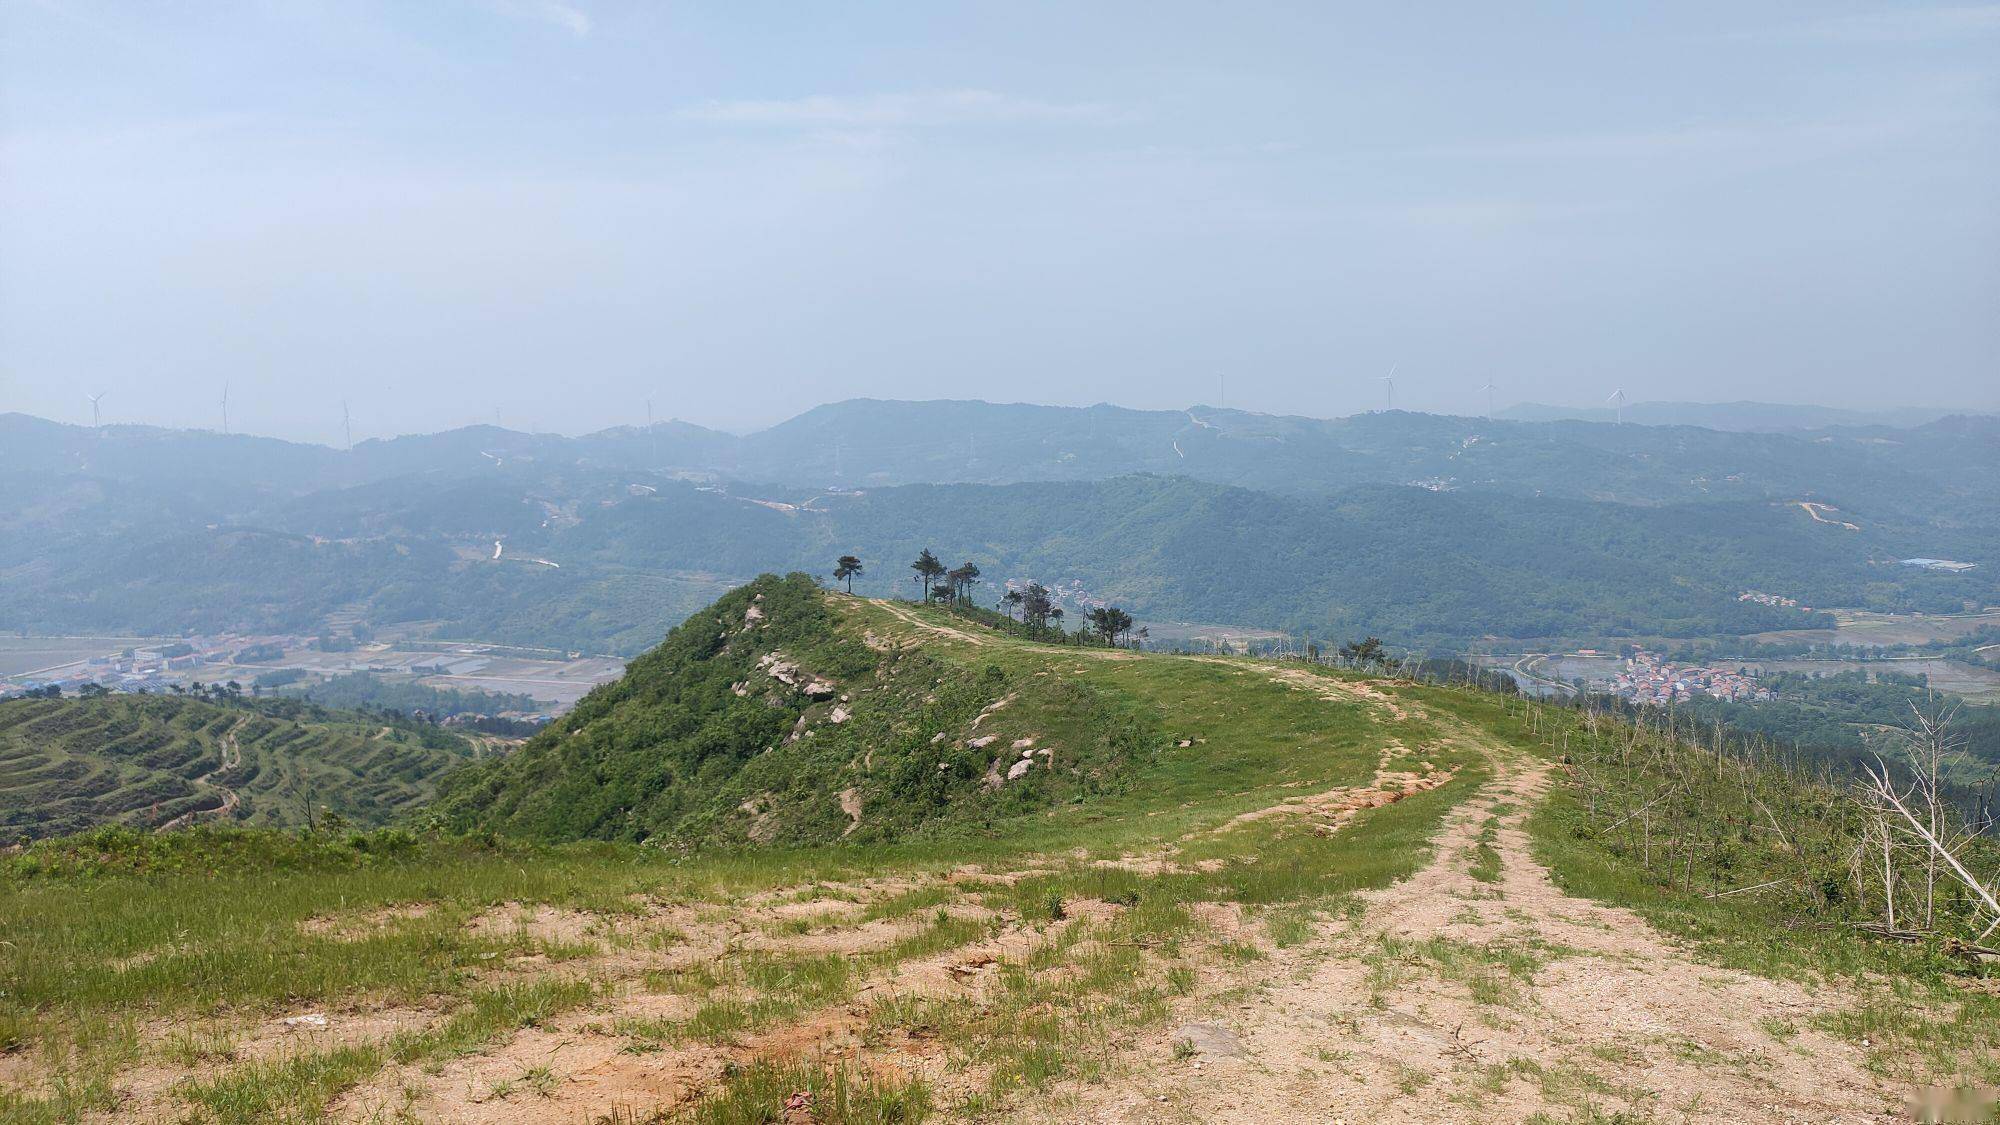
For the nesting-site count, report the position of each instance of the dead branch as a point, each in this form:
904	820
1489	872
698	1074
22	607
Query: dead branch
1744	890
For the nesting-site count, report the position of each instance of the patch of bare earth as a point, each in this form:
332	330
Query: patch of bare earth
1457	1000
591	1062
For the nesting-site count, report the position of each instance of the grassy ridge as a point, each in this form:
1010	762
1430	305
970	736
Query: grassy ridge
768	719
93	953
94	949
71	764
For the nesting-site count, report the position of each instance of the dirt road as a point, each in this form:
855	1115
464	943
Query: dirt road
230	756
1476	993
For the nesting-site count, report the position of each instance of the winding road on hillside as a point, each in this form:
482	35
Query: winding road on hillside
229	757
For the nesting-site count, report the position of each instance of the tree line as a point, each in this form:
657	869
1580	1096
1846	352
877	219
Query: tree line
1031	610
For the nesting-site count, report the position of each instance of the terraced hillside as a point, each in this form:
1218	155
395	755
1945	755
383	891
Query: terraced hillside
1265	892
151	761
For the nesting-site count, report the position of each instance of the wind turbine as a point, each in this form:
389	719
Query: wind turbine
1489	389
93	408
1617	399
225	409
1390	381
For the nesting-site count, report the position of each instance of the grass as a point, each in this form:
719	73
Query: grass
300	1086
1491	973
1485	855
1920	1015
210	931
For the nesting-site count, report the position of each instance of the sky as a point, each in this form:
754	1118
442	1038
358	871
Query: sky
548	212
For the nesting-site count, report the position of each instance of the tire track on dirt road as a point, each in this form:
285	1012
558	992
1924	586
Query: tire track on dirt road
1458	997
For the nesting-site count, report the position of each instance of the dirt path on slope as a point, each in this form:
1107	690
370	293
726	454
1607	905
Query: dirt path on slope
1456	998
909	618
230	756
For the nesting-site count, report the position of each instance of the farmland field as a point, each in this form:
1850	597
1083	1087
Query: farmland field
1860	627
72	764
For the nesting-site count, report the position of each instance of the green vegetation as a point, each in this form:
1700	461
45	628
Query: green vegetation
357	691
223	931
1772	871
71	764
1849	716
760	719
1539	530
703	863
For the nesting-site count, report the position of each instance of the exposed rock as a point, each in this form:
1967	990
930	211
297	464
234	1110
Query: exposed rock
1019	768
1026	754
1024	743
752	615
1211	1040
850	803
990	708
983	741
937	738
788	673
763	822
837	715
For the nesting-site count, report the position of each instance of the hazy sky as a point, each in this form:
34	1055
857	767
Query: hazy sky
555	208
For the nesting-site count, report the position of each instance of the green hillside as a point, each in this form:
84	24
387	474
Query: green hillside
1409	564
1229	882
770	717
1423	529
71	764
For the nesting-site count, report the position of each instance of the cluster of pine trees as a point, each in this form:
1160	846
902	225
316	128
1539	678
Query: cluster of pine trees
1032	609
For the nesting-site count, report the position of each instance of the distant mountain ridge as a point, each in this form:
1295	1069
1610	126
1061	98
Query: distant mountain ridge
1744	416
873	443
1420	527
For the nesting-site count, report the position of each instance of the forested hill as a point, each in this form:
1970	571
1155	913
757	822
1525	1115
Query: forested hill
1420	528
1406	563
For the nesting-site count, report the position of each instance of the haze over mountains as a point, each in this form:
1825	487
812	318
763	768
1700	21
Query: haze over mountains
866	441
1755	416
1428	528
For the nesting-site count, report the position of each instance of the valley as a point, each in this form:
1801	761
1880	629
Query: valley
292	663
